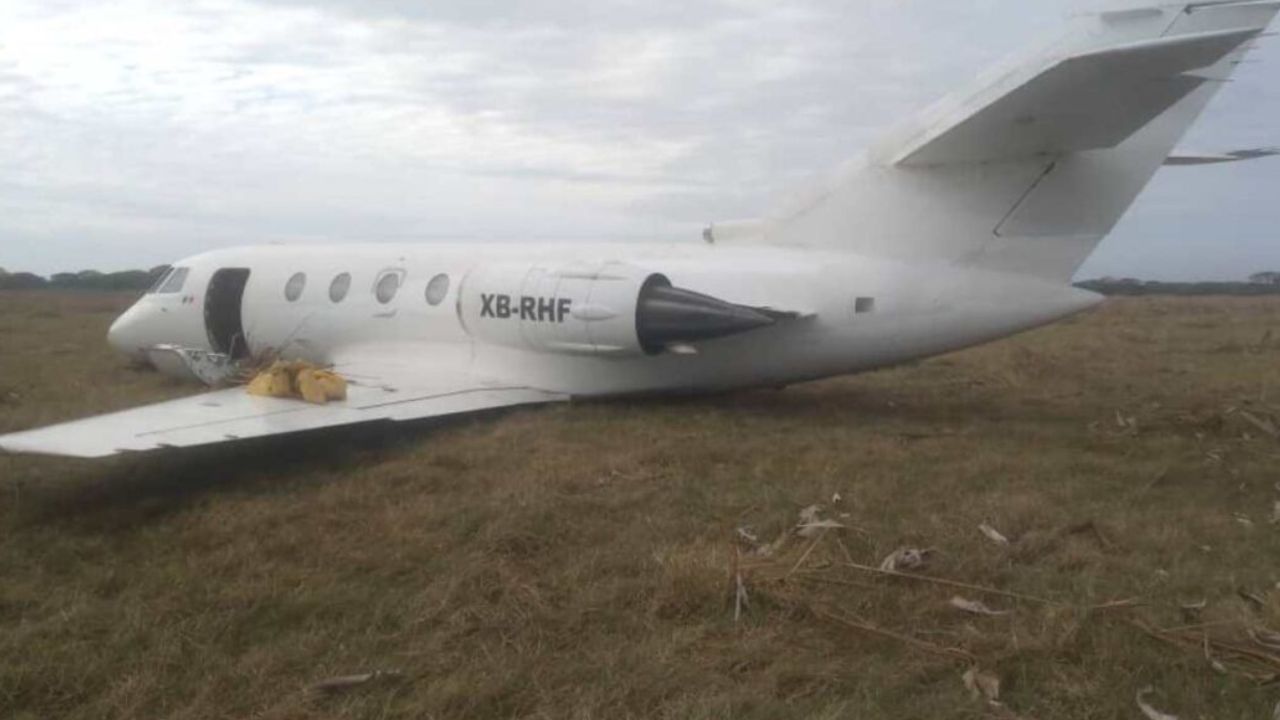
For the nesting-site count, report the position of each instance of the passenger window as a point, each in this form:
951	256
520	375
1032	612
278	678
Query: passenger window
175	281
437	289
339	287
293	289
387	286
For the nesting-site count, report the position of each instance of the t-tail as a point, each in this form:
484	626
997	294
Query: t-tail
1026	172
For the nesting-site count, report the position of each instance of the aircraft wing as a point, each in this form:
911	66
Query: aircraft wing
374	393
1091	100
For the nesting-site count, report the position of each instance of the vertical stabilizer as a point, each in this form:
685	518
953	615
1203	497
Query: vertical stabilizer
1027	171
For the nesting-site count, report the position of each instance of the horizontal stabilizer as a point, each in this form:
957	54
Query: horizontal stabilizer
1088	101
1184	159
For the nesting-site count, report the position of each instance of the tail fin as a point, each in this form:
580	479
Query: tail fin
1027	173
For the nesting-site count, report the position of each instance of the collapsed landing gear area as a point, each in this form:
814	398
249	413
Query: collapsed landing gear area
222	316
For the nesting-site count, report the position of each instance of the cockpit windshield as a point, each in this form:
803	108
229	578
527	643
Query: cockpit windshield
155	286
173	282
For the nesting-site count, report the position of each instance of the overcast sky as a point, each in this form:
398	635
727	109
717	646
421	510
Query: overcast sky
135	132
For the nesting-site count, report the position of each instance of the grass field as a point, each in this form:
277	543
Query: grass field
583	561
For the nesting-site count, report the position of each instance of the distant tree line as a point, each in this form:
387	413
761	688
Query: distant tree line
83	280
1264	283
1260	284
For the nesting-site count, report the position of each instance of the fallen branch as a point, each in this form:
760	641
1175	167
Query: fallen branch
1271	662
1263	425
848	556
833	581
1198	626
1126	604
1239	650
1205	644
953	584
805	556
922	645
740	599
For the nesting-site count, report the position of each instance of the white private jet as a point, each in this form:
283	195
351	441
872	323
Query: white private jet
964	227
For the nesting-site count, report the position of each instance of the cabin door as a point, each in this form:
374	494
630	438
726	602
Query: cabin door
222	312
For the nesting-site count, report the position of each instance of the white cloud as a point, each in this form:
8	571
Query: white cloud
141	130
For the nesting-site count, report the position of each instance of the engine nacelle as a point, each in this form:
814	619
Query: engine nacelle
607	309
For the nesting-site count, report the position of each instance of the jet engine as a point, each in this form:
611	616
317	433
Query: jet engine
607	309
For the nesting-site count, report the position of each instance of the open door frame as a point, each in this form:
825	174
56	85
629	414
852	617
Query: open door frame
223	312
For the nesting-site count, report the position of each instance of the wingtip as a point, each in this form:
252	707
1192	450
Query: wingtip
11	444
15	444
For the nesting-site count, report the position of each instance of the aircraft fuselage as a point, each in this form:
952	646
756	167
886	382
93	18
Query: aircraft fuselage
578	319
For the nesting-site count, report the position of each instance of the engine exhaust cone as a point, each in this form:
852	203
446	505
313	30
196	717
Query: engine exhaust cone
667	315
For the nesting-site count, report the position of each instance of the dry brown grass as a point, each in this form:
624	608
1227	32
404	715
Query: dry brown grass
577	562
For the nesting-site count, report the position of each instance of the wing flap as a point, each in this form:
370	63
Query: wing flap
1087	101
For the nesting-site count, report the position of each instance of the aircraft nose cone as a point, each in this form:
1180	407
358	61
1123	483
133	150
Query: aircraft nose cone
124	334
